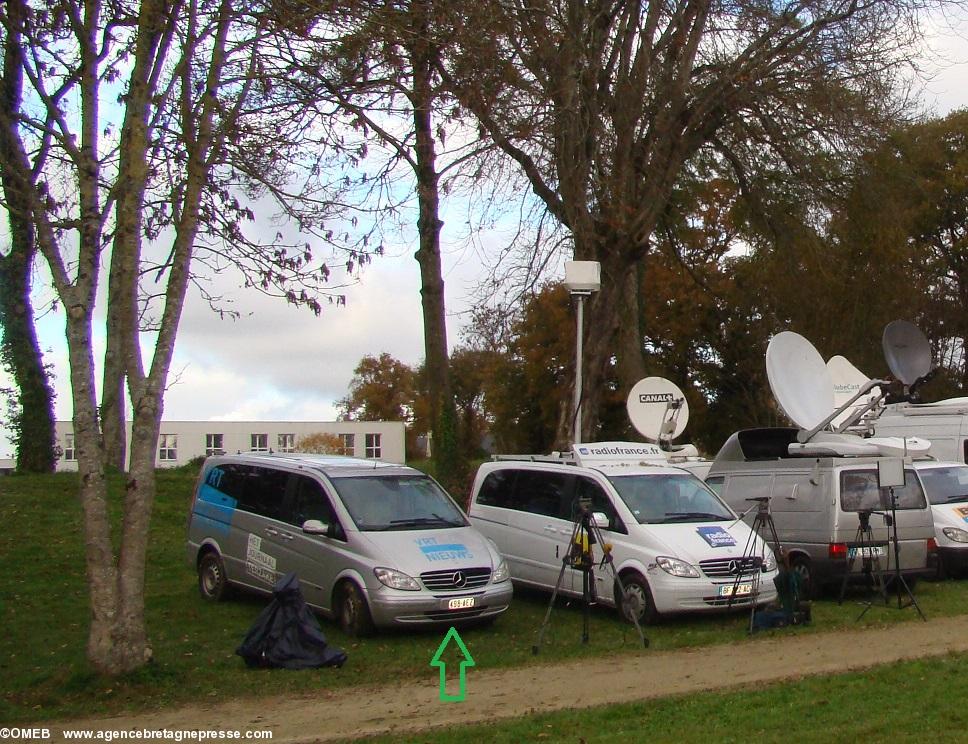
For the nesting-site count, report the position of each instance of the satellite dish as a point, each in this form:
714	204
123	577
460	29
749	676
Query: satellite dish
907	351
799	380
657	409
847	381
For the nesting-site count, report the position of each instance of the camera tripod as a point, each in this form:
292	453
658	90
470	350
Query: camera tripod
899	582
751	564
865	546
580	556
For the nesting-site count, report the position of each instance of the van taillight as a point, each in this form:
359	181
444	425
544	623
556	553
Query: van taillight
837	551
932	545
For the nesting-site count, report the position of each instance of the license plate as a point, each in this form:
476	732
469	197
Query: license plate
741	590
876	552
460	603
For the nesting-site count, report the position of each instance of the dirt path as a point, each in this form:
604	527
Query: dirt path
515	692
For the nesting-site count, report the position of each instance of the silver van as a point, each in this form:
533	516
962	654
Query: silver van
816	500
373	544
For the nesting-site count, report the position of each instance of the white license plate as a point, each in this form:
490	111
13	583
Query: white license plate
876	552
460	603
741	590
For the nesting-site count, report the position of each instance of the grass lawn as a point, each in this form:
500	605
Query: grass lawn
44	616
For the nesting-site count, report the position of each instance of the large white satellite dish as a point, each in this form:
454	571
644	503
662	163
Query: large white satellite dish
847	381
907	351
657	409
799	380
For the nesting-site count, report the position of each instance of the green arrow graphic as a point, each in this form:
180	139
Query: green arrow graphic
468	661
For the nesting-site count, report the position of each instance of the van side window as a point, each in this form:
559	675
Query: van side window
544	493
498	489
263	491
600	502
309	501
859	491
716	484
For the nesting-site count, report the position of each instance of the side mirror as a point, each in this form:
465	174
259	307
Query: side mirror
316	527
600	519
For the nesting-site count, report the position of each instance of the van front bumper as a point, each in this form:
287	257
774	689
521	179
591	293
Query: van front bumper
672	594
389	607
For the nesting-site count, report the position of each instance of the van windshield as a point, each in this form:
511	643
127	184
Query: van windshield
945	485
670	499
405	502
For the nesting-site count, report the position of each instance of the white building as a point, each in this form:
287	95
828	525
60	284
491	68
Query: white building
181	441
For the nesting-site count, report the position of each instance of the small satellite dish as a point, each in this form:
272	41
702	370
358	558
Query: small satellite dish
847	381
799	379
907	351
657	409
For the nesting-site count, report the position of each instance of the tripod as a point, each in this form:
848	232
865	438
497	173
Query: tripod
750	563
868	549
580	556
899	582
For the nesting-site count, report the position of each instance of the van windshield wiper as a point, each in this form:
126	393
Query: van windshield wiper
963	497
676	516
419	521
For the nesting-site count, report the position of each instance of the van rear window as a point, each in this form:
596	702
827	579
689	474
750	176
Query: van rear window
859	492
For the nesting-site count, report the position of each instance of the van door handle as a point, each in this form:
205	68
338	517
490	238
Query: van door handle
285	535
791	497
565	531
271	531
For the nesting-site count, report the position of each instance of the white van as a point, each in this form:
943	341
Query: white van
944	424
676	546
373	544
946	486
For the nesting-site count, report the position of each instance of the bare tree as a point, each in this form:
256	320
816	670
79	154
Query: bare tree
187	80
603	103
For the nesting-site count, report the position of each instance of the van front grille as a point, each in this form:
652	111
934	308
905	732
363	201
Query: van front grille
727	568
456	579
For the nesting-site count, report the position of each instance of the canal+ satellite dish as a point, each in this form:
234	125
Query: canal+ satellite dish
907	351
657	409
799	380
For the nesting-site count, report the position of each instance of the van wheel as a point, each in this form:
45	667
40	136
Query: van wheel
354	615
808	585
212	584
637	601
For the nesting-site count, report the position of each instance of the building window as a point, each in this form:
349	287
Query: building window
214	445
287	442
168	447
260	443
69	453
373	448
347	444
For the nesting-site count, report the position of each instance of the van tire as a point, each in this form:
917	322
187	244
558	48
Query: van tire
212	583
353	612
638	592
808	583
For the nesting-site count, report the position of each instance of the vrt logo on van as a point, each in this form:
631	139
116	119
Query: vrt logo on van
434	551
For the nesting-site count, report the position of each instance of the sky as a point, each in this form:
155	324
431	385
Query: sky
278	362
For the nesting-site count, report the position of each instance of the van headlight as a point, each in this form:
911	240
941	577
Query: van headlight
953	533
677	568
770	563
501	573
396	579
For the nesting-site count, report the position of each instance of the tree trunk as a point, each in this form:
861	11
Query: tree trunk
20	351
450	463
